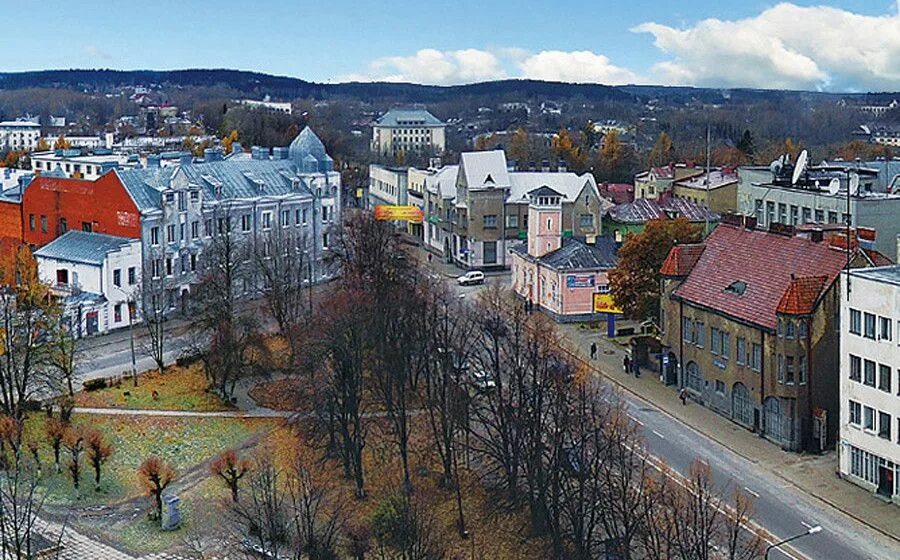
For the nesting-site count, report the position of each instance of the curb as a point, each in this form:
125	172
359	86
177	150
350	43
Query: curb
825	501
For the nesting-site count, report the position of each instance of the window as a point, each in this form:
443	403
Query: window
869	373
170	233
31	222
193	262
169	266
490	221
157	268
182	201
855	368
324	214
789	369
195	230
324	240
726	345
884	331
869	325
184	263
87	226
869	418
285	218
714	340
884	378
44	223
246	220
794	215
782	213
884	425
132	276
686	329
720	387
789	328
512	221
855	321
207	228
832	217
780	368
117	313
699	333
195	196
756	357
170	197
182	231
820	216
740	350
266	220
62	276
117	278
587	220
801	369
801	329
807	215
154	235
770	213
304	216
855	413
63	226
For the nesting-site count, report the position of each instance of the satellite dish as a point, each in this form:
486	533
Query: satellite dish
775	166
834	185
800	167
854	183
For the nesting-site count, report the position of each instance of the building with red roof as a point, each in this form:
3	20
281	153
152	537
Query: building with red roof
748	327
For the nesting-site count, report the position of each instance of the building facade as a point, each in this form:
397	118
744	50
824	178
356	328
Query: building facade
870	380
748	329
402	131
97	278
656	181
716	190
19	135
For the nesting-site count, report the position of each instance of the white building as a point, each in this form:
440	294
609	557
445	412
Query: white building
870	380
89	142
402	131
266	105
96	275
19	135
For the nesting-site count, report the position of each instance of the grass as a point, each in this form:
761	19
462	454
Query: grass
178	388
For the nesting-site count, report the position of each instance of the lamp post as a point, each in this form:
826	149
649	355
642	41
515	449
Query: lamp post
810	531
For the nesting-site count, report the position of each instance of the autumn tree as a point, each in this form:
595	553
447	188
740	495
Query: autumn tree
662	152
42	145
728	156
228	141
564	147
61	143
231	468
74	444
155	475
98	450
635	280
519	148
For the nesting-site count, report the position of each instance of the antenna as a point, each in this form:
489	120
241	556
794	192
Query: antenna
834	185
800	166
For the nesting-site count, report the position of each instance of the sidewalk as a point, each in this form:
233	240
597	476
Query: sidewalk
812	474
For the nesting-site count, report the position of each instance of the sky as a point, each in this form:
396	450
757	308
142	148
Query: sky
832	45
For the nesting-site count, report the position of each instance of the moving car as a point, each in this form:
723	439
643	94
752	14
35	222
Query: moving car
470	278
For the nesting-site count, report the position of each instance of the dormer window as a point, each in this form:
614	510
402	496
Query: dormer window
737	288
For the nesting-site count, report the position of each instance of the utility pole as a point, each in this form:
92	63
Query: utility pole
131	308
706	214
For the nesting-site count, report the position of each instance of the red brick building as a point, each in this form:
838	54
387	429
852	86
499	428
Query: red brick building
52	205
10	224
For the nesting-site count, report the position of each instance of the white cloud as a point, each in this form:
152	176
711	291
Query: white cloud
575	66
93	51
785	46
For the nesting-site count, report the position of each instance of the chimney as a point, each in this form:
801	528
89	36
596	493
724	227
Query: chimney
236	148
545	166
152	161
531	166
562	167
750	222
817	235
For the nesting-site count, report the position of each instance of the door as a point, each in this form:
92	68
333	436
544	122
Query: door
741	406
93	323
185	300
885	479
773	417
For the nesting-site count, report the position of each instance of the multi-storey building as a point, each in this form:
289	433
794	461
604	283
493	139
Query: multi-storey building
748	327
19	135
402	131
477	210
716	190
870	380
659	180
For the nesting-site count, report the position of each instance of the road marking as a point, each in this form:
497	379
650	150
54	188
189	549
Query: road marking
805	524
751	492
659	434
636	421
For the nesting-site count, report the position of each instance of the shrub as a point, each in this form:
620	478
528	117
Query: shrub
94	384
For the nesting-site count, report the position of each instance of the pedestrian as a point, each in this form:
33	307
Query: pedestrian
683	396
627	363
429	258
593	350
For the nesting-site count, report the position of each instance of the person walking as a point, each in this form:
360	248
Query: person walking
593	350
627	363
683	396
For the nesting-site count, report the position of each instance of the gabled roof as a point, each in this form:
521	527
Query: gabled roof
876	258
544	191
83	247
484	169
681	259
247	178
145	185
766	264
576	254
567	184
643	210
802	295
400	117
443	180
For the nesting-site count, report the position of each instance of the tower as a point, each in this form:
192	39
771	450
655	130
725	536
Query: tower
544	221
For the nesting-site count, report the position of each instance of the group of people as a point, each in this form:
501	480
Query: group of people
631	366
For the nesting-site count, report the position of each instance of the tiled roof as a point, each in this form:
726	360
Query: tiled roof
802	295
397	117
877	258
762	264
576	254
681	259
83	247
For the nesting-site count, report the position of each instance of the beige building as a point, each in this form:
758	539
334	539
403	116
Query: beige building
716	190
658	180
403	131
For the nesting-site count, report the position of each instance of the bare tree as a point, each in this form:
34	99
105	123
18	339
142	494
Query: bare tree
64	349
316	524
231	469
21	502
153	314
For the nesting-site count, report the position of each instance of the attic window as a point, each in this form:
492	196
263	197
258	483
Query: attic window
488	179
738	287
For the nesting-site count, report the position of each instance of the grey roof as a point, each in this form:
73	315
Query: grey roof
145	185
247	178
544	191
400	117
567	184
484	170
885	274
576	254
643	210
83	247
307	144
444	179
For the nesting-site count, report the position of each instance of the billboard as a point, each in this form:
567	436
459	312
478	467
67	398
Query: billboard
603	303
579	281
402	213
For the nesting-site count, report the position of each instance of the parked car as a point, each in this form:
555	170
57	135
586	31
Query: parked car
470	278
482	381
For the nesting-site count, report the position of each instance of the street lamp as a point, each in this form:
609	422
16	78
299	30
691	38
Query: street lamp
810	531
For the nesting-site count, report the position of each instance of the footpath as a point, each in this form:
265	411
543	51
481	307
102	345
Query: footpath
813	474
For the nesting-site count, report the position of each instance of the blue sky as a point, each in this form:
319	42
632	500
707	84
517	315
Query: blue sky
832	44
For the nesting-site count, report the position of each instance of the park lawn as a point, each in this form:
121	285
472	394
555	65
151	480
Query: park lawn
178	388
184	442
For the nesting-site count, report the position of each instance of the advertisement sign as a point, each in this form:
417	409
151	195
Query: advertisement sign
386	212
603	303
579	281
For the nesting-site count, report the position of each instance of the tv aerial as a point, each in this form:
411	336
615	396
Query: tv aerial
834	185
800	166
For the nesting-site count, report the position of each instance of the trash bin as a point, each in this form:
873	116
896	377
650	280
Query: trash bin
171	514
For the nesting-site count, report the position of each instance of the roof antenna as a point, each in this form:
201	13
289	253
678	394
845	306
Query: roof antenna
705	213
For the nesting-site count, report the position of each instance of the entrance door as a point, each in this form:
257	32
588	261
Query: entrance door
741	405
185	300
885	479
93	323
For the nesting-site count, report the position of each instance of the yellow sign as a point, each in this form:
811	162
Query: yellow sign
402	213
359	193
603	303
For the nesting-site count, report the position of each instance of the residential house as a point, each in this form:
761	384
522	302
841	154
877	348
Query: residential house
19	135
656	181
622	219
716	190
401	131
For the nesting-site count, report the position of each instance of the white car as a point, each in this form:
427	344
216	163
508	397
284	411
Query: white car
483	381
470	278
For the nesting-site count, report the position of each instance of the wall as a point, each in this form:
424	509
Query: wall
579	301
10	220
105	203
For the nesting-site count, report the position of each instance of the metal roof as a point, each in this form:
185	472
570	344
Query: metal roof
83	247
576	254
408	118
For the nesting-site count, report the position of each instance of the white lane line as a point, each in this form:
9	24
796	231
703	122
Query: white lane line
751	492
635	420
659	434
805	524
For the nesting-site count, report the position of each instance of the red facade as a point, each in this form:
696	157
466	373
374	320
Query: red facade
51	206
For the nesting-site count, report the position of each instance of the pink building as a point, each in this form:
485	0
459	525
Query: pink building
560	274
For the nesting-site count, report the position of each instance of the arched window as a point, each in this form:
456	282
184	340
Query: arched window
694	378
